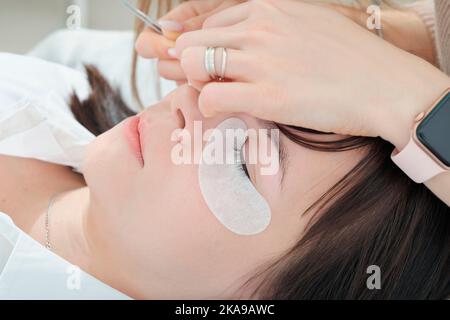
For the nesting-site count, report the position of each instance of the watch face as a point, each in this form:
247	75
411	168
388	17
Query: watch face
434	131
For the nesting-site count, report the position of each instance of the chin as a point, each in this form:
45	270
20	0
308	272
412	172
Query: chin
108	160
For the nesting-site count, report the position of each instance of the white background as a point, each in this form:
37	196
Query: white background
25	22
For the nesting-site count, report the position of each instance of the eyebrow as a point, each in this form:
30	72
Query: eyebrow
282	150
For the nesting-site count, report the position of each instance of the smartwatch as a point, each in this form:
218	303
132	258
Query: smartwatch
428	152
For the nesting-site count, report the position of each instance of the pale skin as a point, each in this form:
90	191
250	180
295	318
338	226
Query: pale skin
131	236
367	87
402	28
146	229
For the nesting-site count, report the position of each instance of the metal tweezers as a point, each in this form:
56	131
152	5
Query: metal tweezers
148	21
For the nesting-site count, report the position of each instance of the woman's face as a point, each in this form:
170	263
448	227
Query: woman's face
153	226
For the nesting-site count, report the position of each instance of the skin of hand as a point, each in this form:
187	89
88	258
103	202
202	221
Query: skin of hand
306	65
186	17
309	66
399	27
386	107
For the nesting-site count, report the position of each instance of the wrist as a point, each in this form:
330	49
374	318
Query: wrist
413	100
402	28
406	30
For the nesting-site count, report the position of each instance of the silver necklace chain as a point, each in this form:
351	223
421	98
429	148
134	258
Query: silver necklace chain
48	244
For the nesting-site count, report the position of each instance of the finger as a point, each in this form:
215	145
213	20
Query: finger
230	97
172	30
238	65
225	38
171	70
229	16
197	85
197	23
191	9
152	45
171	35
186	17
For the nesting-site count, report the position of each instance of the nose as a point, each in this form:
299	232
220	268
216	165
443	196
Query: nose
184	106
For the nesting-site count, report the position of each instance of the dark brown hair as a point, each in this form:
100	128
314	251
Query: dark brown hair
375	215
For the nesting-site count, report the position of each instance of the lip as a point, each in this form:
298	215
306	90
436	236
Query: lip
133	137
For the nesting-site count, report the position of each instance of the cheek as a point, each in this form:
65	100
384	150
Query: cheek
108	167
170	202
183	235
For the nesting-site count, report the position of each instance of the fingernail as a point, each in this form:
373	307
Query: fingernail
170	25
172	52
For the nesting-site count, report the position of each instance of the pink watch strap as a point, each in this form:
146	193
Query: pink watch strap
416	163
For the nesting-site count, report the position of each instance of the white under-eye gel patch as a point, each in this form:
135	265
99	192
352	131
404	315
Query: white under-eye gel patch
228	192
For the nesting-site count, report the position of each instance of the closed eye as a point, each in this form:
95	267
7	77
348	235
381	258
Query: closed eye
244	168
242	165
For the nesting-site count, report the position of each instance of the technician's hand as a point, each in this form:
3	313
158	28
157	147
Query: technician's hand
186	17
309	66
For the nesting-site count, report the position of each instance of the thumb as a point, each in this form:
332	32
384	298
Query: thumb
195	23
230	97
172	30
190	16
174	19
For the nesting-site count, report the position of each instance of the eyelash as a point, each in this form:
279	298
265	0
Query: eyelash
241	166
